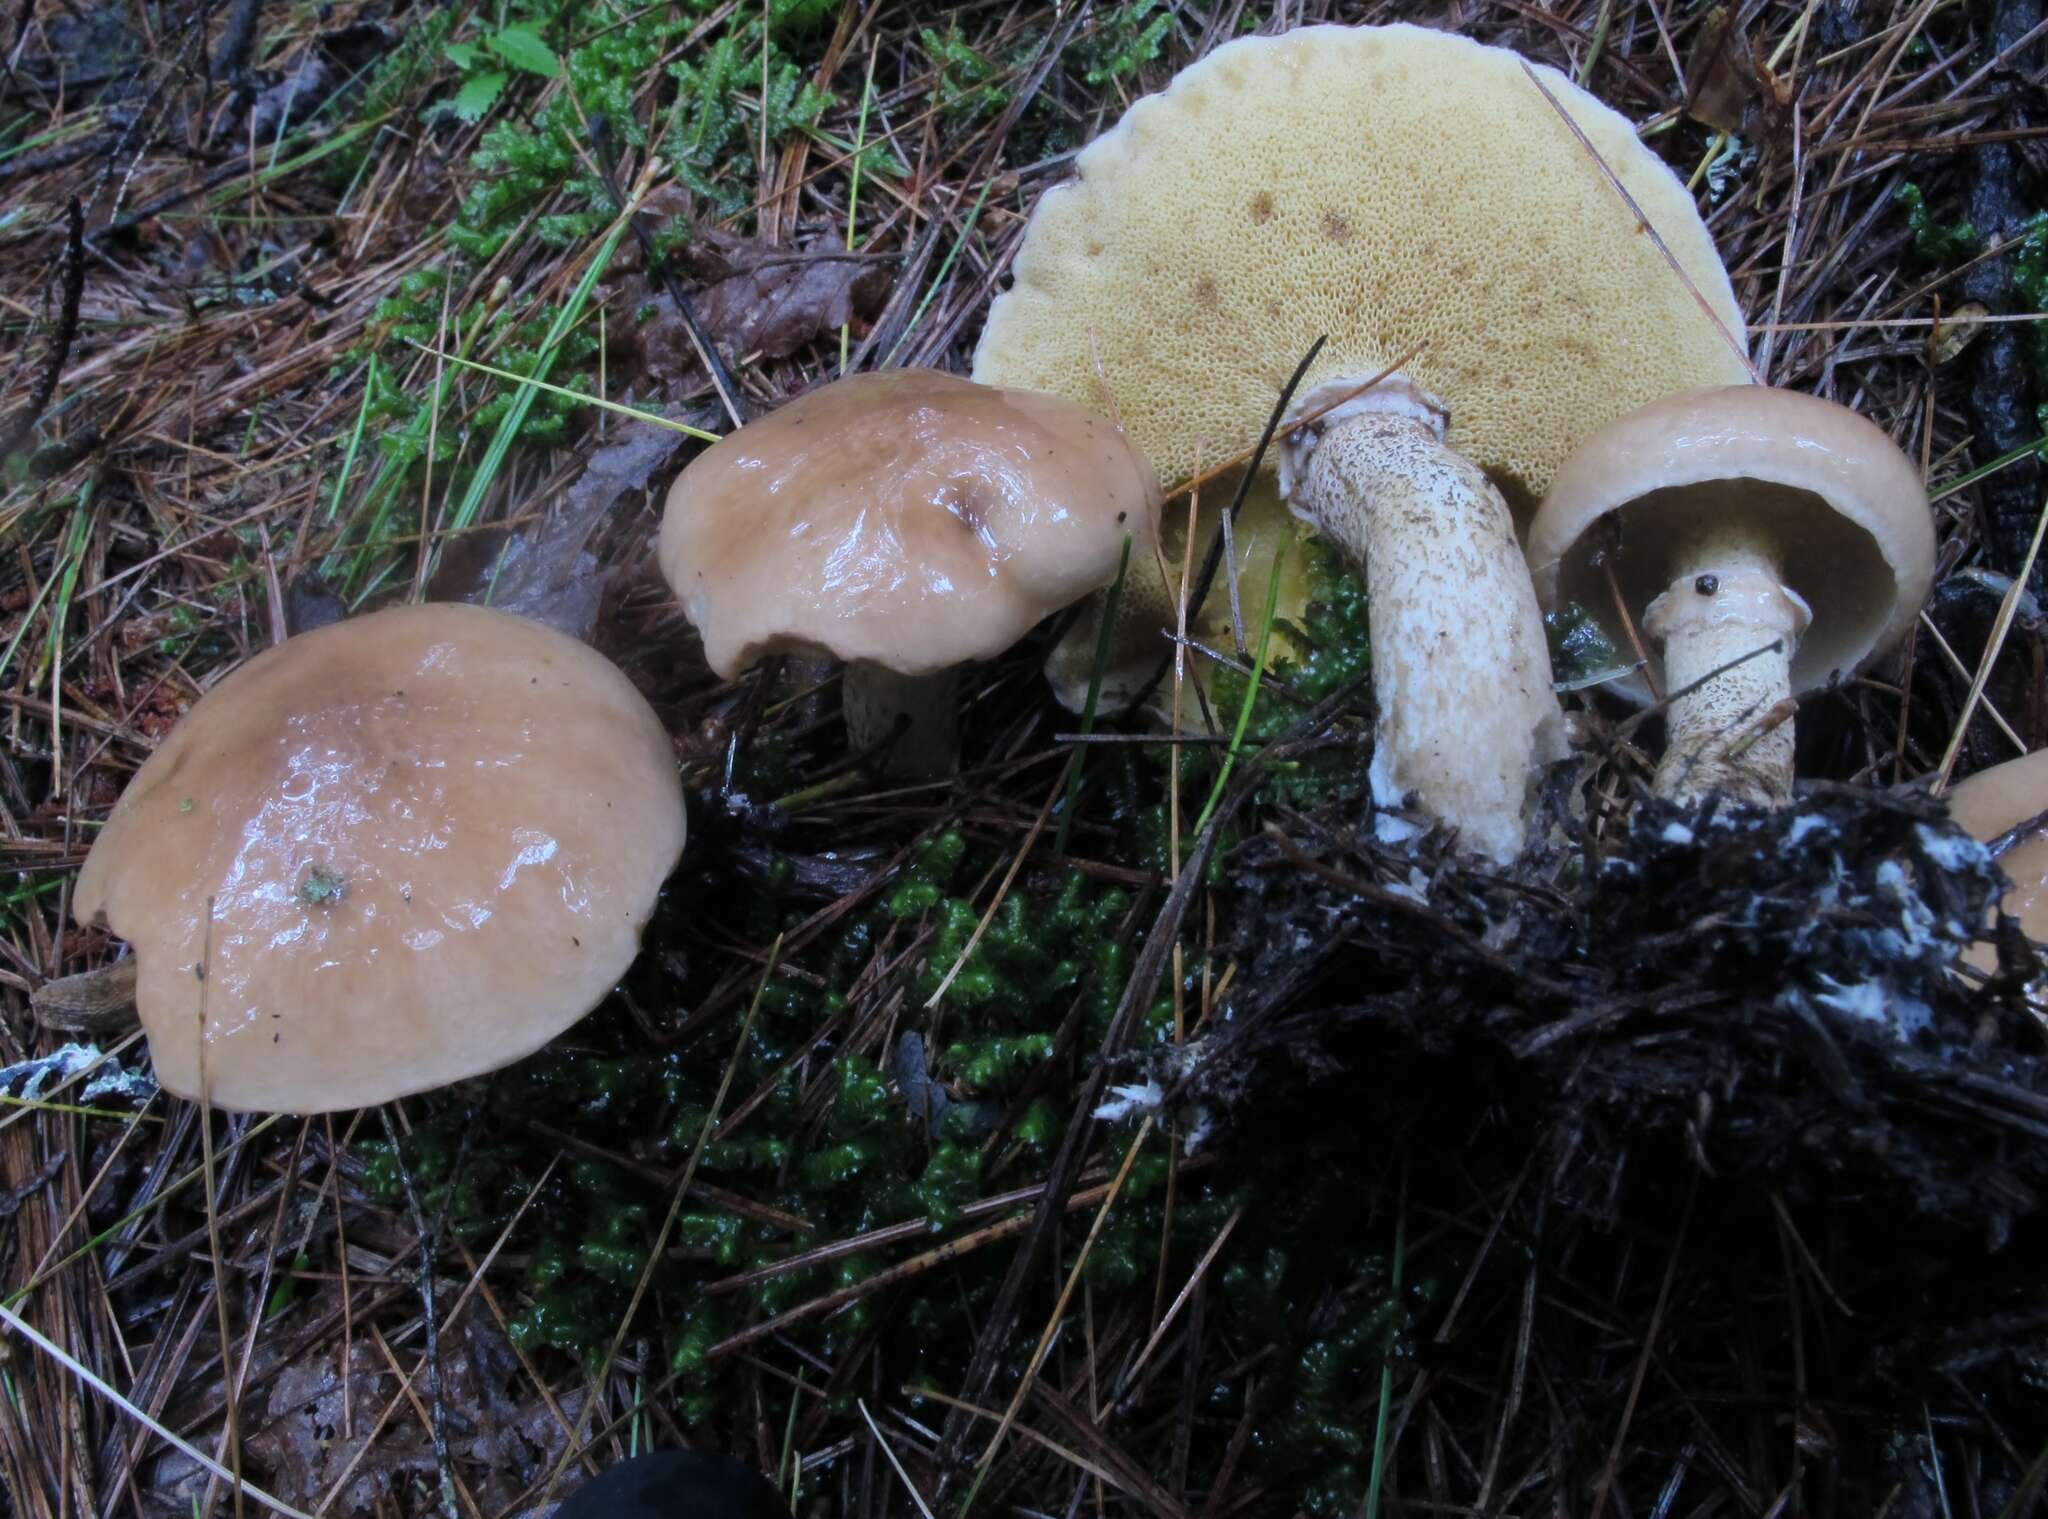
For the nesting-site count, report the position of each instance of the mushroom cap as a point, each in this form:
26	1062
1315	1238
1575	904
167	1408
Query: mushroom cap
910	518
429	837
1843	509
1991	803
1386	186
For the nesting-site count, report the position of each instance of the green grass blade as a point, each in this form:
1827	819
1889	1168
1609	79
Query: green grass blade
530	384
654	417
939	283
1251	695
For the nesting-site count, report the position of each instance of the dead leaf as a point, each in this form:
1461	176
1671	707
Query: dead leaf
755	300
1723	85
549	572
1734	88
498	1438
1957	330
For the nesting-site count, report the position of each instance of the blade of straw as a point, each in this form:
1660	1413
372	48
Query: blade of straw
1614	181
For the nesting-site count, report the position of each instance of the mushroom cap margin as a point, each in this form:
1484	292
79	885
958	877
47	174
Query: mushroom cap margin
1844	509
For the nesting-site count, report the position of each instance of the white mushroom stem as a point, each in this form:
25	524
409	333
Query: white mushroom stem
1460	667
1734	733
911	723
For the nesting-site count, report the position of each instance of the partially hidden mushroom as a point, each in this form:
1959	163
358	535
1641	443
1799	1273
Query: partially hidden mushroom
1414	199
1764	542
906	522
386	855
2006	809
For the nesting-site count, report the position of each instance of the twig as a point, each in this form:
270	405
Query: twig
729	394
60	343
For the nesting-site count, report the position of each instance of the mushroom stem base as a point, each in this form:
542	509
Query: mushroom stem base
910	723
1460	667
1733	734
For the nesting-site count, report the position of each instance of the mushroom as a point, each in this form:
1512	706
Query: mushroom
905	522
2006	807
1414	198
385	855
1767	542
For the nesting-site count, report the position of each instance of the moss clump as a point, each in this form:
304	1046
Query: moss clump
1334	651
1935	242
822	1137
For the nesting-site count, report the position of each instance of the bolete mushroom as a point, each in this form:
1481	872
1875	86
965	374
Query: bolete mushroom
1414	198
2006	807
385	855
906	522
1766	541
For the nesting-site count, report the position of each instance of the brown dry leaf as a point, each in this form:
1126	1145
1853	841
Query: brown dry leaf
758	301
500	1437
1734	90
1958	330
550	572
1723	78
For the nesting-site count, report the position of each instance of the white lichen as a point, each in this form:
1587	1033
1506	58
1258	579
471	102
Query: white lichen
1802	825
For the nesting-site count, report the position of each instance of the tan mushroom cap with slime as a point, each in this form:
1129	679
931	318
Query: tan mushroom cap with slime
909	518
1989	805
907	522
429	839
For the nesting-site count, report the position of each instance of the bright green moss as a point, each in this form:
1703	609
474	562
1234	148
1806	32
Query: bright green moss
1935	242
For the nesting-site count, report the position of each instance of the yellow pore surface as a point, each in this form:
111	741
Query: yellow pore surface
1386	186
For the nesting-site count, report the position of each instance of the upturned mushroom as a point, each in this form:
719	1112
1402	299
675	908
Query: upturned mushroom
386	855
1415	199
2006	808
1766	542
906	522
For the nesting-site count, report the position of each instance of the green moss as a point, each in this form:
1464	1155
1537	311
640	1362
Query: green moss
858	1163
1935	242
1579	649
1336	650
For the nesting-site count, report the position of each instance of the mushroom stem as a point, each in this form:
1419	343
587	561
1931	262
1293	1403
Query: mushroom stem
1734	733
914	720
1460	668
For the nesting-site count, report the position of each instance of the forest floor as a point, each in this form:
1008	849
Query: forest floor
1517	1194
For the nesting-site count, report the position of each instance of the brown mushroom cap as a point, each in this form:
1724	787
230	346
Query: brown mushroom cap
909	518
1842	508
1384	186
1990	804
429	836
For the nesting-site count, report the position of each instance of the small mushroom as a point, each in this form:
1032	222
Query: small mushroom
2006	807
1412	198
906	522
385	855
1766	541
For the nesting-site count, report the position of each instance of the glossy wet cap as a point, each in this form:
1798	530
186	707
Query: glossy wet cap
676	1484
1391	188
1989	805
430	838
910	518
1843	509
